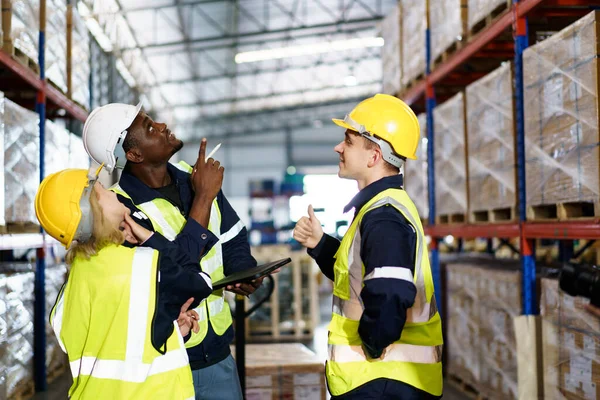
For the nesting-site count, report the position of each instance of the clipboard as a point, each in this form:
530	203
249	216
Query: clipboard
251	274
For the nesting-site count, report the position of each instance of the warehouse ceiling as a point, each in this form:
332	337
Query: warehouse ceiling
182	55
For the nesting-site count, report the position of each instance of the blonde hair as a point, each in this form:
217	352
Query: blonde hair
103	234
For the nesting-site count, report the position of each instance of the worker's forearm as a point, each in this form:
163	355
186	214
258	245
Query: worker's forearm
200	211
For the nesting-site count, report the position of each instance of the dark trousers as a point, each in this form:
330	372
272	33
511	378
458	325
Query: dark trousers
386	389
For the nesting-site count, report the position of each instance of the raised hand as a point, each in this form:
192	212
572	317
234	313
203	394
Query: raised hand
308	231
207	176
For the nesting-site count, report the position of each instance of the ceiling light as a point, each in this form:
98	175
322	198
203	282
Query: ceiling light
350	80
307	49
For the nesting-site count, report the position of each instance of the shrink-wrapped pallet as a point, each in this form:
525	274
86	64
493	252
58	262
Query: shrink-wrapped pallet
21	26
413	26
391	52
80	61
416	174
561	122
56	43
450	160
447	23
21	163
491	141
479	10
56	148
571	346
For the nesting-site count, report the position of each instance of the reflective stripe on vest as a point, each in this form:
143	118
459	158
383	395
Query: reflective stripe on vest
167	220
135	367
416	357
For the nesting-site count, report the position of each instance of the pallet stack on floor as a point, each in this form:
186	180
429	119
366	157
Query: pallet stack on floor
483	298
416	175
292	313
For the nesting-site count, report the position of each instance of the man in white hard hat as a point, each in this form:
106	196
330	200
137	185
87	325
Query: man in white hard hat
162	198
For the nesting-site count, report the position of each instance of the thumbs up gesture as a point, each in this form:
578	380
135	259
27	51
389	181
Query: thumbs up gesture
308	231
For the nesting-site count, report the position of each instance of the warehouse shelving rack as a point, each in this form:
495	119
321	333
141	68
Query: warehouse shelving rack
516	19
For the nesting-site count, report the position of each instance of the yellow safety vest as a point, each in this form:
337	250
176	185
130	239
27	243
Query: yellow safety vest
168	221
415	358
103	321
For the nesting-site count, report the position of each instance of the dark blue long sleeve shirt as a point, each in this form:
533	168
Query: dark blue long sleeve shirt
195	240
387	240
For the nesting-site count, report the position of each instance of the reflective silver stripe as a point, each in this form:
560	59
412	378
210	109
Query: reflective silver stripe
150	209
57	319
391	272
207	279
350	309
139	303
214	307
395	352
233	232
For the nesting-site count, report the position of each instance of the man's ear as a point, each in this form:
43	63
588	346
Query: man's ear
375	156
134	156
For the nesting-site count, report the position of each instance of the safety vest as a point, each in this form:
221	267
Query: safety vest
168	221
415	358
103	321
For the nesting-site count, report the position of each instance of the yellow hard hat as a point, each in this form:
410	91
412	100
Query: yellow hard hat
62	204
389	118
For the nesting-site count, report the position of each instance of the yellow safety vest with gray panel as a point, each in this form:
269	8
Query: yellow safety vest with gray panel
415	358
103	321
168	221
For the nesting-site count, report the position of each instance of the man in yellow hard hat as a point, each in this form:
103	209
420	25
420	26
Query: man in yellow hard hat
385	336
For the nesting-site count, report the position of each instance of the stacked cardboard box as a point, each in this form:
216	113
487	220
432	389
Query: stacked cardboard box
571	346
391	52
283	371
414	26
491	138
80	69
21	26
416	174
482	302
450	157
447	24
561	115
56	43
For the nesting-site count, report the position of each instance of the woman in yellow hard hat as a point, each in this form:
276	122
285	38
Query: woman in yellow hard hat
121	316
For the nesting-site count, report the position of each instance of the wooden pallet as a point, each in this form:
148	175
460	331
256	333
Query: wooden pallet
489	19
56	371
453	48
21	57
445	219
24	391
22	227
570	211
497	215
467	389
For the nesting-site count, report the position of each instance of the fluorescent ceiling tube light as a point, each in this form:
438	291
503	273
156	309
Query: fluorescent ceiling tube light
307	49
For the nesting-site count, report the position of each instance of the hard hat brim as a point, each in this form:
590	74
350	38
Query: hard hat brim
342	123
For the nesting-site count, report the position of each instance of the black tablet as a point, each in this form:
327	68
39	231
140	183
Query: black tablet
251	274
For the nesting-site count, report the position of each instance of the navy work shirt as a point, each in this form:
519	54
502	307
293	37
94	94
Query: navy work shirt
236	250
387	240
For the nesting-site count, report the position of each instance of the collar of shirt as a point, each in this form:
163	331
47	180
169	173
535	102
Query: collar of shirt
141	193
367	193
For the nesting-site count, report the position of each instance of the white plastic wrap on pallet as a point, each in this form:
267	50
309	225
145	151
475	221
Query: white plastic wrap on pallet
55	278
25	27
78	157
390	53
56	147
80	59
480	9
21	162
446	24
56	43
414	25
416	173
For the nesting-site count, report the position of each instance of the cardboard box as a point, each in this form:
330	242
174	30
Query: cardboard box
416	174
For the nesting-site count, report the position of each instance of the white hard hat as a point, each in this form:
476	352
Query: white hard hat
104	132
